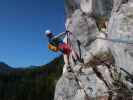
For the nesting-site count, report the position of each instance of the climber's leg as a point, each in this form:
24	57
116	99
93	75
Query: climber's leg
66	50
67	63
67	67
66	59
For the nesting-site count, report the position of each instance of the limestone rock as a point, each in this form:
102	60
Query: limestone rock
87	6
107	69
121	27
70	7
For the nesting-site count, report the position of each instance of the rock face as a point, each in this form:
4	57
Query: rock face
121	27
106	72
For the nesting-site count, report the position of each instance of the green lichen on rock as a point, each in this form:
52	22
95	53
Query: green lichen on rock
102	58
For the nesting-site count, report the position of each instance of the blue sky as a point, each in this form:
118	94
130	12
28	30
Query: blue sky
22	23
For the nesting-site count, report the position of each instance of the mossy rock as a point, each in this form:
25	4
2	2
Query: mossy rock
102	58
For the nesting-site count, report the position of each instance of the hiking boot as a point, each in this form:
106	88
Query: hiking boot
69	69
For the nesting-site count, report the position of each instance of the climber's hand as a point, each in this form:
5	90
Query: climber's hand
68	32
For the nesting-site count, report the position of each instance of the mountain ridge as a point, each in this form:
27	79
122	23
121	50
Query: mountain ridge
31	83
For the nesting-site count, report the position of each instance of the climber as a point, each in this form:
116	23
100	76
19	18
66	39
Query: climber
60	43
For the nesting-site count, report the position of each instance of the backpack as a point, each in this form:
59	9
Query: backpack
53	48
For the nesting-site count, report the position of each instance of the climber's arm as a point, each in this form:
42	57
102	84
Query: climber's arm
60	36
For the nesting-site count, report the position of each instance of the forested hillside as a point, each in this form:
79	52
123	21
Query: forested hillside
32	83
